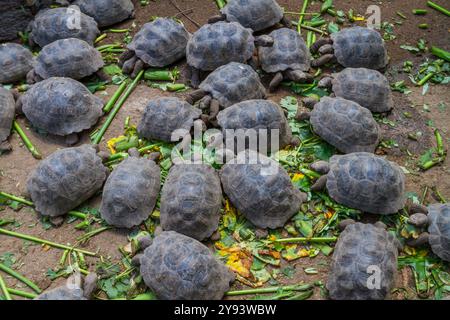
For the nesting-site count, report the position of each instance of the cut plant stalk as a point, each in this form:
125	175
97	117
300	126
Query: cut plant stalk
302	296
425	79
423	26
300	19
98	137
118	30
420	12
401	15
304	239
295	287
438	8
22	294
221	3
44	242
84	238
20	277
26	141
440	53
115	97
4	289
162	75
100	38
173	87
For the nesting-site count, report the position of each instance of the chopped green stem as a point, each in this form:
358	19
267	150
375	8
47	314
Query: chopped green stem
118	30
401	15
425	79
159	75
310	28
20	277
301	296
420	11
100	38
4	289
172	87
440	53
113	50
221	3
22	294
115	97
115	110
331	12
109	46
439	195
26	141
92	233
315	23
300	19
63	259
423	26
302	239
45	242
296	287
143	296
439	143
438	8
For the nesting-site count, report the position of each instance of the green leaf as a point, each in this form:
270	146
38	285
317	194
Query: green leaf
8	259
333	27
328	4
112	69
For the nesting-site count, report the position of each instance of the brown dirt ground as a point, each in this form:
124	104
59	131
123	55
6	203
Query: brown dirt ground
34	260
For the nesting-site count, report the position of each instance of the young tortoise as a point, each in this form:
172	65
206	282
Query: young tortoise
260	119
260	189
363	252
191	200
254	14
107	12
363	181
60	23
7	112
438	235
159	43
61	107
71	58
226	86
288	58
354	47
15	62
164	116
15	15
344	124
367	87
176	267
131	191
72	290
65	179
215	45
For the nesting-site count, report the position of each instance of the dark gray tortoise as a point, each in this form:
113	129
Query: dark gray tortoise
254	116
15	15
344	124
227	85
355	47
438	235
288	58
191	200
72	290
369	88
61	107
163	116
364	263
62	23
260	189
254	14
159	43
15	62
65	179
107	12
131	191
7	111
363	181
215	45
71	58
176	267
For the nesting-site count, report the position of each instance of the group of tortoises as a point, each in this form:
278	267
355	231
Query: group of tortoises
221	57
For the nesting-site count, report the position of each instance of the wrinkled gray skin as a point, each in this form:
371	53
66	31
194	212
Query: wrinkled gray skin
130	192
14	18
345	125
439	230
191	200
361	247
260	189
15	62
176	267
61	106
257	115
165	115
65	179
367	87
71	58
55	24
107	12
71	290
7	111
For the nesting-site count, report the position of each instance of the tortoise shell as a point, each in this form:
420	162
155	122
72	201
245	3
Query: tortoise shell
439	230
106	12
15	62
7	112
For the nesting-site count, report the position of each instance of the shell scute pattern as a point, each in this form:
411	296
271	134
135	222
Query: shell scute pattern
15	62
7	111
106	12
439	230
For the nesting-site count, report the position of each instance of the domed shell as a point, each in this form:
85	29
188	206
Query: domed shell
366	182
257	115
289	51
165	115
72	58
7	111
65	179
214	45
106	12
176	267
15	62
161	42
254	14
130	192
439	230
233	83
345	125
359	47
260	189
61	106
191	200
362	252
367	87
62	23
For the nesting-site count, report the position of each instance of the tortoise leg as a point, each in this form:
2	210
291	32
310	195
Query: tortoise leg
417	208
127	55
320	184
295	142
320	166
134	152
71	139
19	106
326	48
213	109
420	241
345	223
205	102
298	76
309	102
217	18
128	66
419	220
140	65
90	285
31	77
102	75
254	62
326	58
301	116
5	146
319	43
325	82
154	156
286	22
276	80
264	41
196	95
195	77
